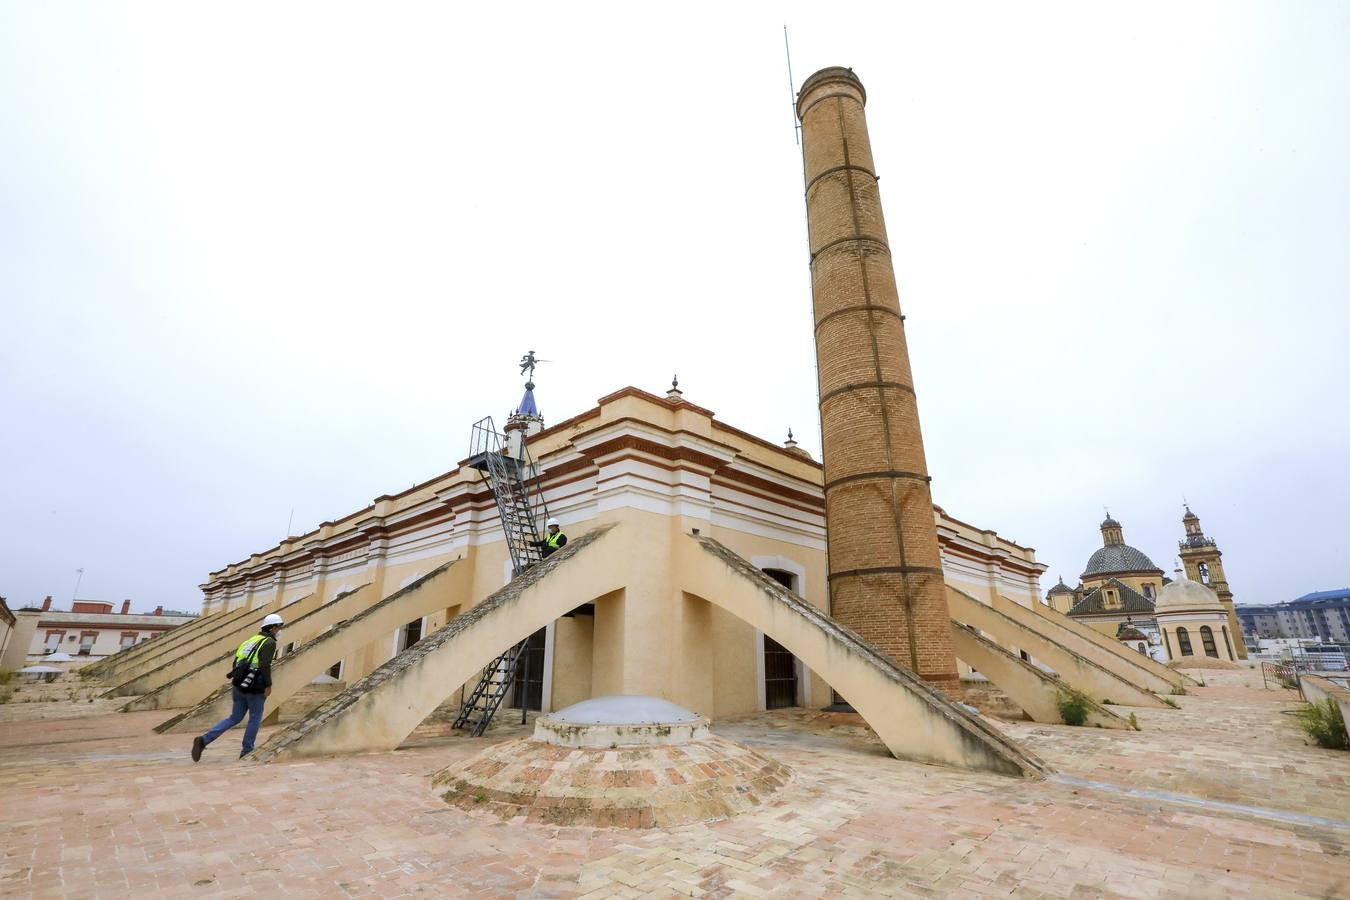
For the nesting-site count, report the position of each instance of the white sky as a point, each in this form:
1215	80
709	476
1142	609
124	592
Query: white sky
259	257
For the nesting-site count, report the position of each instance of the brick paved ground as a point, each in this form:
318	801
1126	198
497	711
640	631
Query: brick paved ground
100	806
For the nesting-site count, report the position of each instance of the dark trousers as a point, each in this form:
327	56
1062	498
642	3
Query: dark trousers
252	704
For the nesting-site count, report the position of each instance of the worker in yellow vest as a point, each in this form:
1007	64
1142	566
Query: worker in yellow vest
554	540
250	683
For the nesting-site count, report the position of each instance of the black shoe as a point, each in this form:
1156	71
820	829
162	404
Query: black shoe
198	745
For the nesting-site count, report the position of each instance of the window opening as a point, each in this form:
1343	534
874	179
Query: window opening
412	633
1184	642
1207	639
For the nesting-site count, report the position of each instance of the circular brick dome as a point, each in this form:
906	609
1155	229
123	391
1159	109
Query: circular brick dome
658	767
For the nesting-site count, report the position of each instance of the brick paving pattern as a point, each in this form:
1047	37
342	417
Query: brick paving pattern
99	806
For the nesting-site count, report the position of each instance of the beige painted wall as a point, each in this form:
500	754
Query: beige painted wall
572	660
913	719
722	668
15	656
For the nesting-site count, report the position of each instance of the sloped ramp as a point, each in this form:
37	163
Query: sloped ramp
382	709
1105	651
1036	691
915	720
208	647
192	686
167	641
437	589
1082	673
166	654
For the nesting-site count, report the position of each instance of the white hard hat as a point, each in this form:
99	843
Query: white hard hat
272	619
551	522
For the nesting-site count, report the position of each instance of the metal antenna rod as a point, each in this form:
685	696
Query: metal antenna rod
792	89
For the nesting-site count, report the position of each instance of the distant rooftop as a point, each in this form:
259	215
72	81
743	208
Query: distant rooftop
1338	594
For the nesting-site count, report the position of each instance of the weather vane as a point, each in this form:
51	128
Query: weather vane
527	364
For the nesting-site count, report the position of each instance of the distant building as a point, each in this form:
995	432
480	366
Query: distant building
91	628
1143	637
1117	588
1120	587
1321	615
7	621
1204	564
1193	621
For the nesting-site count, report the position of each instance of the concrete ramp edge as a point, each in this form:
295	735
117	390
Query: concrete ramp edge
381	710
915	720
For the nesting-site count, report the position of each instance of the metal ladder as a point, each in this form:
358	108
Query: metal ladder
520	505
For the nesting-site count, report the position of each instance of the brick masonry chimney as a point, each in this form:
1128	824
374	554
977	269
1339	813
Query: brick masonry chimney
126	607
885	571
47	603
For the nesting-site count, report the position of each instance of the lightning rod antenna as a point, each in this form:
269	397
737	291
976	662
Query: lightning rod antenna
792	89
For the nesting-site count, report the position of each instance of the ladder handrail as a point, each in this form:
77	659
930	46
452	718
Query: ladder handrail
519	495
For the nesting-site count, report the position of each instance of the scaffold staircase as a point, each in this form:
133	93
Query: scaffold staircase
521	507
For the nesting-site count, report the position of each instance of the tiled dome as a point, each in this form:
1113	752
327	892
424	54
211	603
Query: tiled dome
1117	558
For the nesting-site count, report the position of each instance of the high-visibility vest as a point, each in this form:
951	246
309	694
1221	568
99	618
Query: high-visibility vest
248	650
553	539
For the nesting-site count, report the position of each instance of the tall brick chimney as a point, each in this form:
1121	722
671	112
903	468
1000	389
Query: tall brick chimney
126	607
47	603
885	572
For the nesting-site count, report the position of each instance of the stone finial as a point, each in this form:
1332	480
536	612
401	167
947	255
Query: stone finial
675	393
791	446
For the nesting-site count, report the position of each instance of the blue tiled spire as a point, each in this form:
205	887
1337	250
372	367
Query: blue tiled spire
527	405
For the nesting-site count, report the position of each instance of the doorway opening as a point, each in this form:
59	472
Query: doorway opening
780	666
529	684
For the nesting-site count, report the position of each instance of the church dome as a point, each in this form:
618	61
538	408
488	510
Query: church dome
1184	595
1109	522
1118	558
1061	588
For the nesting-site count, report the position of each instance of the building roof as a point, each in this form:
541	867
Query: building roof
1118	558
1061	588
1340	594
1127	632
1109	522
1131	601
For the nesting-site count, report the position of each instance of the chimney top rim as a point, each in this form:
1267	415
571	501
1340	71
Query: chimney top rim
841	74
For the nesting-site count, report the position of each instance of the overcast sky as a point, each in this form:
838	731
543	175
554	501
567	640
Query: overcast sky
258	258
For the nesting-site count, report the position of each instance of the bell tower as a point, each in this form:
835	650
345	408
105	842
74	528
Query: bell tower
1204	564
